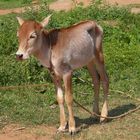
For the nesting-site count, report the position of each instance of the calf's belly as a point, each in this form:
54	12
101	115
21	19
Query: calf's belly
81	60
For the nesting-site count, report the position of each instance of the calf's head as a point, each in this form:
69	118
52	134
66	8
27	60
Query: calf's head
29	36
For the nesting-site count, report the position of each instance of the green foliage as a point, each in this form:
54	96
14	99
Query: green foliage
4	4
26	1
26	104
121	50
120	41
8	4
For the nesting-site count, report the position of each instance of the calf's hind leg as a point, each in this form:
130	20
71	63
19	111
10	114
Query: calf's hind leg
105	83
96	82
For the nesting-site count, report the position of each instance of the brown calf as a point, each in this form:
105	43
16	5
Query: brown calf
63	51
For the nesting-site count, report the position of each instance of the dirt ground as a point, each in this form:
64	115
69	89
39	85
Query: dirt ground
123	2
57	6
69	4
17	132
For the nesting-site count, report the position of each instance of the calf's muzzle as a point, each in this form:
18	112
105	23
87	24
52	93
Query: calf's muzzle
19	56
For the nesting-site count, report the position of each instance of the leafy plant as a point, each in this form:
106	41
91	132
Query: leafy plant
121	51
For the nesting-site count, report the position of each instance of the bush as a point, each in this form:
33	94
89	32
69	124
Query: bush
26	1
120	44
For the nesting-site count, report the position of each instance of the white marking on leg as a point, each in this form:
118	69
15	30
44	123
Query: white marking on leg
62	113
59	92
104	111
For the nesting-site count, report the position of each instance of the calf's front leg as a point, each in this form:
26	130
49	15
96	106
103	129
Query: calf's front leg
60	100
67	78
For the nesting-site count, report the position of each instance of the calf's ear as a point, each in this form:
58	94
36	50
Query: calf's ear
20	20
46	21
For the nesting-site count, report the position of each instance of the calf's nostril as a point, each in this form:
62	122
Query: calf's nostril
19	56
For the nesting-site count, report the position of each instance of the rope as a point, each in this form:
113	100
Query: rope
91	113
118	91
21	86
114	117
126	94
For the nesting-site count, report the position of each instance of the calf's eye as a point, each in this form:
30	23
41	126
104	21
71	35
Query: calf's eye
33	35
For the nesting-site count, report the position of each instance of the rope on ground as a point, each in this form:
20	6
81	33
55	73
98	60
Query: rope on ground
22	86
91	113
109	117
128	95
114	117
118	91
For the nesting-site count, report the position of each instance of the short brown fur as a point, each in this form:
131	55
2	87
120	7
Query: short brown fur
63	51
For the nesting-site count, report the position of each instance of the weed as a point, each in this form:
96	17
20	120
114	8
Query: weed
122	55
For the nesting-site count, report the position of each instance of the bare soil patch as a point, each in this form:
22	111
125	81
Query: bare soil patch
135	10
43	132
57	6
122	2
18	132
69	4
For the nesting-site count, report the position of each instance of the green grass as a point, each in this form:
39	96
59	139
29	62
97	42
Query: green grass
7	4
31	106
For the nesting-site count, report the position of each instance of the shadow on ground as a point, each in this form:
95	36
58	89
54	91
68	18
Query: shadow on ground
114	112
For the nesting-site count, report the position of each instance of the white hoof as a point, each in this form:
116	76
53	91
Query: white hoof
61	129
102	120
72	130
